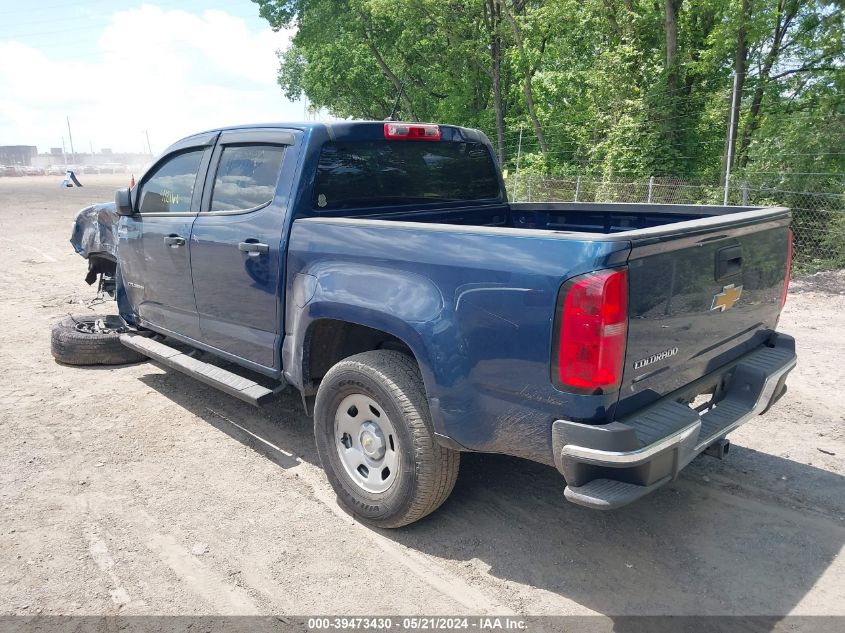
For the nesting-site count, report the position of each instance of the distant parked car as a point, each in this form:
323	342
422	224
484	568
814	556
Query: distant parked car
11	170
56	170
32	170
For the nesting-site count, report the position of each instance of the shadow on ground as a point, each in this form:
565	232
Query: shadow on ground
747	536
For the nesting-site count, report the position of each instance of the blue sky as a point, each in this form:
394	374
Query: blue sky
120	68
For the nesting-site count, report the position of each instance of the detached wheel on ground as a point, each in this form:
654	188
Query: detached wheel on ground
375	441
91	339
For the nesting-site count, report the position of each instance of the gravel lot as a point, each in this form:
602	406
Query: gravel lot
135	490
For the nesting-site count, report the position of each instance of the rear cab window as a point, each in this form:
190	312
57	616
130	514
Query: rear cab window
357	174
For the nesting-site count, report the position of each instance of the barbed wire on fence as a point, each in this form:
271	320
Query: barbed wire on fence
818	217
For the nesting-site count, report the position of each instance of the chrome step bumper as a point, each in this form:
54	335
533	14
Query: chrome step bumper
607	466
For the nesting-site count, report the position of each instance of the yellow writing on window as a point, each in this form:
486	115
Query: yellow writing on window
170	197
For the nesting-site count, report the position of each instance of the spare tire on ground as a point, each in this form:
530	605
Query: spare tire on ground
92	339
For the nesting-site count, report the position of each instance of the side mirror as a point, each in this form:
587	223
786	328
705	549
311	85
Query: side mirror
123	202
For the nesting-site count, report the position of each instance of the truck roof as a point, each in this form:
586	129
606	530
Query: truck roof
303	125
344	129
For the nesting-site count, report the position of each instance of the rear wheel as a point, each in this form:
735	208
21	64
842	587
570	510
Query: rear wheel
374	438
91	340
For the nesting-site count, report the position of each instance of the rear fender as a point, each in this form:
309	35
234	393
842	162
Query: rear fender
400	303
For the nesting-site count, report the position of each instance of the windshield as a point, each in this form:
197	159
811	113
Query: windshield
358	174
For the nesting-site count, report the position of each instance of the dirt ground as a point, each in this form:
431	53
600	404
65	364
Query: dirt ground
135	490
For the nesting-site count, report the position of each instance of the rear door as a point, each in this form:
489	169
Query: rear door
699	298
154	242
237	256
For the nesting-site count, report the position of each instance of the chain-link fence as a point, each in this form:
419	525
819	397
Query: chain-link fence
818	204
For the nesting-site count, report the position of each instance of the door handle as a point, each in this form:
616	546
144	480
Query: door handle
174	241
253	247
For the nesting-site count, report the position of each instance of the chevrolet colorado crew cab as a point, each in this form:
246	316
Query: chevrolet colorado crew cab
378	268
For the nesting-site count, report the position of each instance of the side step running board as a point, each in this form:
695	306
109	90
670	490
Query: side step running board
233	384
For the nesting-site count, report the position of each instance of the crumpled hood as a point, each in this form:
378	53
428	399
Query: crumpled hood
95	231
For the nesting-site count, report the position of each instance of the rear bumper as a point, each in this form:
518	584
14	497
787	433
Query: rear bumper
610	465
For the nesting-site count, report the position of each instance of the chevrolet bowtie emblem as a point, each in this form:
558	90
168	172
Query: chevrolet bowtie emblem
726	299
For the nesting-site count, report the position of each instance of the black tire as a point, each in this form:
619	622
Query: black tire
427	471
73	342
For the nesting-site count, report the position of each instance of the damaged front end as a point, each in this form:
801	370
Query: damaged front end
94	237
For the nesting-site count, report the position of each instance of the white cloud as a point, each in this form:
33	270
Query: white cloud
169	72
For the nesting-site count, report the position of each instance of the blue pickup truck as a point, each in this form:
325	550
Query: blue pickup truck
378	268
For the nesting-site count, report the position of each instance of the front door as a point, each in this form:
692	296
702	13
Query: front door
154	242
237	256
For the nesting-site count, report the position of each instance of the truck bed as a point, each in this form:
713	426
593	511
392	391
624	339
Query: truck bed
579	217
496	272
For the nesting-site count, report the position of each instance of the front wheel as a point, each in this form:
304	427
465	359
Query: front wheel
374	438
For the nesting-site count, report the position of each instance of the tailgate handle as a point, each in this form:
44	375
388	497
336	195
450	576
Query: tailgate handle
728	262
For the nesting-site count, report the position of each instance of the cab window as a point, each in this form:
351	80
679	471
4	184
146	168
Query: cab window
171	186
246	177
355	174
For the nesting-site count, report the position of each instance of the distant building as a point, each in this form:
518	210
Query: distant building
17	154
107	161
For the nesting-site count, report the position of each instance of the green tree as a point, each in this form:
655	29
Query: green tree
604	86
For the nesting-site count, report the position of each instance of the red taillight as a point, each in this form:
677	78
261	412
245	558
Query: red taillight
788	270
412	131
593	325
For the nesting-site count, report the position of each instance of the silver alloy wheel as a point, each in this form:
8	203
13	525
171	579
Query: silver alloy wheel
366	443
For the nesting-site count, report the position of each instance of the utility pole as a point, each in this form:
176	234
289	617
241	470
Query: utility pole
516	173
70	137
149	147
64	154
730	140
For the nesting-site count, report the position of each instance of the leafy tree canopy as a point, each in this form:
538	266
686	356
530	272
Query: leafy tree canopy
640	87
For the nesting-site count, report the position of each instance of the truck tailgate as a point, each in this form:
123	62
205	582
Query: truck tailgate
700	295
